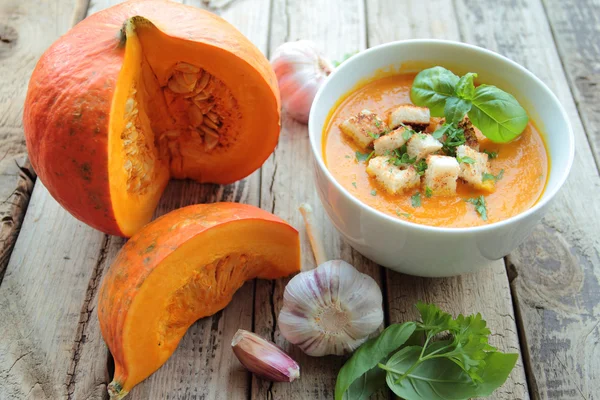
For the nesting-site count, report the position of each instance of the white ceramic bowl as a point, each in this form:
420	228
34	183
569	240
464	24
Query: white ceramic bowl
424	250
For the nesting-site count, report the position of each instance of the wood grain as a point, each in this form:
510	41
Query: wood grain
487	291
44	300
575	26
27	28
556	282
337	27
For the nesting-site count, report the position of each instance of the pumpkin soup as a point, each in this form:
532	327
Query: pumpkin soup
433	165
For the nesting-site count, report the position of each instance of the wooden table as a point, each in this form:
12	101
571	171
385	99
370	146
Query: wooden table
541	301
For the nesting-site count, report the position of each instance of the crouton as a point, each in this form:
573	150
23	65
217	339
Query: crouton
389	142
363	128
474	164
407	114
393	179
470	136
434	124
421	144
441	175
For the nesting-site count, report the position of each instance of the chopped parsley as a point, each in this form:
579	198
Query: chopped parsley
491	154
455	137
377	123
407	134
415	199
373	135
401	214
354	184
373	192
401	159
421	166
491	177
347	156
363	157
428	192
480	206
465	160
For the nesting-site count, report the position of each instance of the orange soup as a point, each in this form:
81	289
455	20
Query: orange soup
523	162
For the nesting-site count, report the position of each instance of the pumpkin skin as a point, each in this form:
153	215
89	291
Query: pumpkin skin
74	114
181	267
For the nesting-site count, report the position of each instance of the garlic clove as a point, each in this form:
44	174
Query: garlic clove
264	358
331	309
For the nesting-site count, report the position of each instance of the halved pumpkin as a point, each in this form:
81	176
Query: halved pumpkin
140	93
184	266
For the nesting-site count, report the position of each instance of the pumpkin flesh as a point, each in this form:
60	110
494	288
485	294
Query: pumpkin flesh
180	268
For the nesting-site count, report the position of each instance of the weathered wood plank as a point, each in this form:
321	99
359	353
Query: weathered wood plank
43	298
487	291
575	26
557	271
338	27
27	28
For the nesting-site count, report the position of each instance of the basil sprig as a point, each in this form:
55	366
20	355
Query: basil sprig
497	114
455	360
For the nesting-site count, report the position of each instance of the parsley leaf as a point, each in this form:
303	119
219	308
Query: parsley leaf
373	135
363	157
407	134
401	214
428	192
491	154
354	184
490	177
480	206
373	192
421	166
415	200
465	160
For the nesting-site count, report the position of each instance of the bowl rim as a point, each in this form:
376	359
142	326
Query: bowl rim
547	195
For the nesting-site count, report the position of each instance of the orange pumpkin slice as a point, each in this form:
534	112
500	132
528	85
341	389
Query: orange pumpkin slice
140	93
184	266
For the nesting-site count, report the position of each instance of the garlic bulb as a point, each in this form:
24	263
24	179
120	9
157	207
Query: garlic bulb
264	358
331	309
300	70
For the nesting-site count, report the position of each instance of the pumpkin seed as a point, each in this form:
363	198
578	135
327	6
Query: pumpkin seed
211	124
187	68
195	115
211	139
213	117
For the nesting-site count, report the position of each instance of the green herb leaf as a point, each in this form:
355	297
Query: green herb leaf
491	154
347	156
455	137
428	192
465	89
407	134
415	200
363	157
480	206
346	56
465	160
456	109
354	184
360	377
373	192
402	160
497	114
491	177
441	131
373	135
421	166
432	87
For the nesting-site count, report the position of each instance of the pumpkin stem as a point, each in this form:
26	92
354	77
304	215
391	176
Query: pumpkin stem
129	27
115	391
313	234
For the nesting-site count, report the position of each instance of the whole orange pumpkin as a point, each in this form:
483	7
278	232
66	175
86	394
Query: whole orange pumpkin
140	93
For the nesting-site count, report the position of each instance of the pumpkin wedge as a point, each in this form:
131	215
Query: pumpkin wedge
184	266
140	93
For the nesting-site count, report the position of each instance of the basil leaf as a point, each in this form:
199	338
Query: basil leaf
360	376
465	89
434	379
495	372
456	109
432	87
497	114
